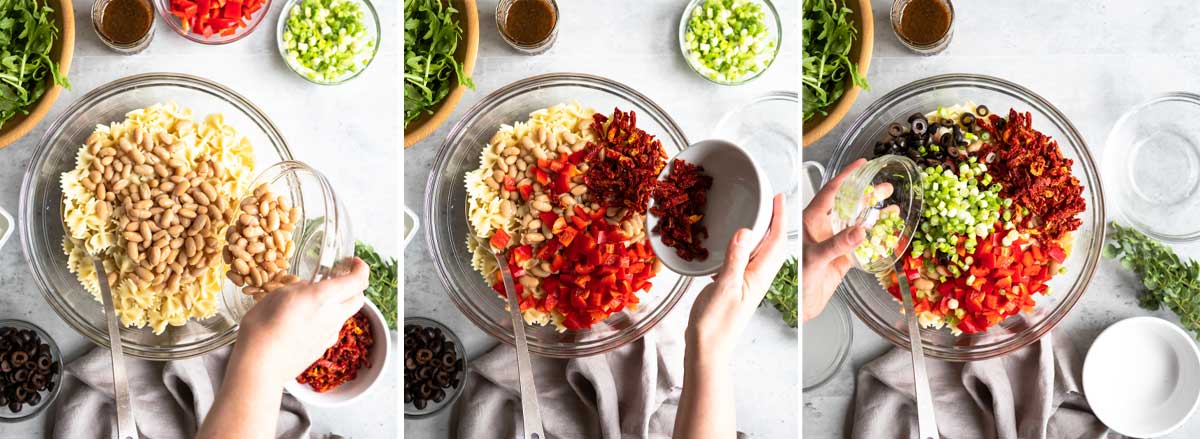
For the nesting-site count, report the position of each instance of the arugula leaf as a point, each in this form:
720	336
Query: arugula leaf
784	293
828	33
1167	281
431	35
385	277
27	32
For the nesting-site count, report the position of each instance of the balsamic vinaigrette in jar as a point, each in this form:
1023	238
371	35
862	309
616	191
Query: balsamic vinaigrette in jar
126	21
529	22
924	22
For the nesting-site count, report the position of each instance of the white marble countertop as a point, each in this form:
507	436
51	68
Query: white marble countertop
1092	60
321	129
633	42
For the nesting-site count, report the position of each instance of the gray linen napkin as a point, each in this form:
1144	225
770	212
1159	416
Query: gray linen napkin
631	392
1035	392
170	398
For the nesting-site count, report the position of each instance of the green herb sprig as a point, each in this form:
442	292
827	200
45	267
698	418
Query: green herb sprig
27	32
828	33
385	277
1168	281
784	293
431	34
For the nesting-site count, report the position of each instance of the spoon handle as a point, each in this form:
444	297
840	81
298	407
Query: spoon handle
126	426
531	410
926	424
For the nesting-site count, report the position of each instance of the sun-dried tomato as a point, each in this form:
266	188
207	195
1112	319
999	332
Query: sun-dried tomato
679	202
624	162
341	362
1032	172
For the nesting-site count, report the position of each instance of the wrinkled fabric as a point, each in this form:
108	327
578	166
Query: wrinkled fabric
630	392
1034	392
170	399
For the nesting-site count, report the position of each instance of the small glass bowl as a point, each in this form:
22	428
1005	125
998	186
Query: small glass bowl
374	35
766	128
880	311
445	219
897	13
176	24
855	205
411	411
48	396
124	49
41	228
528	49
1152	165
774	28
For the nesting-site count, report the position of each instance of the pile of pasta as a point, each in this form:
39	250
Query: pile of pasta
153	196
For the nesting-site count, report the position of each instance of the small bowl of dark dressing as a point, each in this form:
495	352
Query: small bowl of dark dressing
126	26
925	26
530	26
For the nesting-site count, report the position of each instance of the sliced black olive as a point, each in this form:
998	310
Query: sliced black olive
408	397
424	355
946	139
947	123
967	119
958	135
14	407
19	358
880	148
448	360
920	126
915	117
895	130
981	110
420	404
953	151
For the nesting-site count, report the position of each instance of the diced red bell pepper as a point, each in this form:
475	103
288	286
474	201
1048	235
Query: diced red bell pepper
522	253
510	184
566	236
500	239
526	191
1056	253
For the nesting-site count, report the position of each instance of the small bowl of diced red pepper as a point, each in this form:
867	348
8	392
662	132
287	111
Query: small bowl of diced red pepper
213	21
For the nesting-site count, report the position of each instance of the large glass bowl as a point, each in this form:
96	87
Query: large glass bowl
445	222
881	312
41	228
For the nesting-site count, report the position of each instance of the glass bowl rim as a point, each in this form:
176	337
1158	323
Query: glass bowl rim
1072	137
282	23
446	149
55	352
170	19
772	14
1111	149
458	347
99	336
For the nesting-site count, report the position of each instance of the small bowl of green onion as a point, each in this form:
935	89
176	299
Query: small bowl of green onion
730	42
328	42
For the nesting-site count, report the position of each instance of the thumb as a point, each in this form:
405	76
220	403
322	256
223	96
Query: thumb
737	256
839	245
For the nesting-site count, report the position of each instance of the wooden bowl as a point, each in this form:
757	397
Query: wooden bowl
468	46
21	124
860	52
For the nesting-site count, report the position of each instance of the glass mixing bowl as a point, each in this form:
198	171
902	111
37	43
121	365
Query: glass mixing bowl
881	312
41	226
445	221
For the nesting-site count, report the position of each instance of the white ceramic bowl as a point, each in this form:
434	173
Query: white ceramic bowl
740	197
1142	377
379	355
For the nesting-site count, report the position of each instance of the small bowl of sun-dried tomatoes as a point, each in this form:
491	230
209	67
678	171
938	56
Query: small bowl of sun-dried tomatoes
704	195
351	367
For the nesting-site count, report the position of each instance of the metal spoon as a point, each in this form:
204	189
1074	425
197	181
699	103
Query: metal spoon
926	424
531	409
126	423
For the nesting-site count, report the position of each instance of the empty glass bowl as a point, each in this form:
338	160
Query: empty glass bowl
445	220
881	312
1152	165
41	229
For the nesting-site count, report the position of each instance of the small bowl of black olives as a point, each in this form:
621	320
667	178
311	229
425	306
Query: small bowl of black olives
435	367
30	371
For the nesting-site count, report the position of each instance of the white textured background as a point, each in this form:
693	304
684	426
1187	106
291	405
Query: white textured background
634	42
1092	60
348	132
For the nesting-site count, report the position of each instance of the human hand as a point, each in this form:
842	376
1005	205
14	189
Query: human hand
826	256
722	310
292	327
